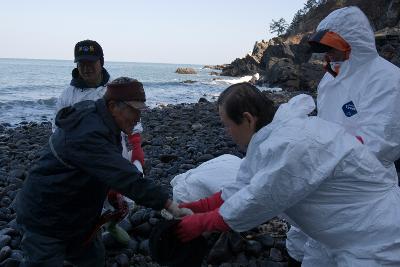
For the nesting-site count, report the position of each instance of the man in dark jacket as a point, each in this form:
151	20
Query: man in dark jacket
62	199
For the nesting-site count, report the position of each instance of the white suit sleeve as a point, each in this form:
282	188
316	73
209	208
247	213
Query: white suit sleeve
291	171
379	118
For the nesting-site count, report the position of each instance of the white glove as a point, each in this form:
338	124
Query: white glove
177	212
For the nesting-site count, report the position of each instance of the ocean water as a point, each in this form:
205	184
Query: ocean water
29	88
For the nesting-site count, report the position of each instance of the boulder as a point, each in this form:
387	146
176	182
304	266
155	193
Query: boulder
248	65
282	72
311	74
185	71
277	49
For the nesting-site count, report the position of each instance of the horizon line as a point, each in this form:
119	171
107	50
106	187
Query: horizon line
112	61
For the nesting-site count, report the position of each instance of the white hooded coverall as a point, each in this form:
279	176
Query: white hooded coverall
325	181
363	98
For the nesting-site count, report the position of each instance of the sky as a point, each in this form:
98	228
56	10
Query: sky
157	31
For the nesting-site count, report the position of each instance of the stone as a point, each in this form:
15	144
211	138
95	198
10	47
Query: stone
122	260
5	252
144	247
253	247
17	255
275	254
143	229
185	71
4	240
266	240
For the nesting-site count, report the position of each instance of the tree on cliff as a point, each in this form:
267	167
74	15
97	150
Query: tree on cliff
278	26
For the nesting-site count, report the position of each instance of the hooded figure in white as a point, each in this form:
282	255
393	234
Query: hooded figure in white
363	98
325	181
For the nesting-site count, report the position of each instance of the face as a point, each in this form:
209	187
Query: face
241	133
90	71
125	116
335	55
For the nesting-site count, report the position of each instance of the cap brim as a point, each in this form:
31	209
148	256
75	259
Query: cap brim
137	105
87	58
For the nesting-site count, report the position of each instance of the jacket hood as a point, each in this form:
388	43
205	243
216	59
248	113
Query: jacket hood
353	26
78	82
68	118
297	107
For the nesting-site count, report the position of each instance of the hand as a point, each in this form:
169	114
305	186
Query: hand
206	204
194	225
119	204
177	212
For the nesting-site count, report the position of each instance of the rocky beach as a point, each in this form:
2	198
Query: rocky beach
176	138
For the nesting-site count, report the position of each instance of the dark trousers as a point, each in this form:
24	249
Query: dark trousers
44	251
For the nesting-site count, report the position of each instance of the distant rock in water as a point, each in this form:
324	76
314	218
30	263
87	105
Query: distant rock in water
189	81
215	67
214	73
185	71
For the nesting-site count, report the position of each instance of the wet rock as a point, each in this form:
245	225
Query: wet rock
275	254
4	240
10	263
133	245
109	241
144	247
253	247
185	71
122	260
241	259
189	81
15	242
125	224
168	158
266	240
17	255
143	229
5	252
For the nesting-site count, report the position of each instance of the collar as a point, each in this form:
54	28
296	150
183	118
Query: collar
106	116
78	82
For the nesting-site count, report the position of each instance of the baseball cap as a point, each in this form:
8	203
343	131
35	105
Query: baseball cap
88	50
128	90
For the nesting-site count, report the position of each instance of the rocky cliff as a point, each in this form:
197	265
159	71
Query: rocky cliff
286	61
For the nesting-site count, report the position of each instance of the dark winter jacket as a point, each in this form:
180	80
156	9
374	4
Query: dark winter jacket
64	193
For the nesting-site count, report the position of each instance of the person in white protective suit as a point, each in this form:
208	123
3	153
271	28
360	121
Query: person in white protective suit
322	178
89	82
359	91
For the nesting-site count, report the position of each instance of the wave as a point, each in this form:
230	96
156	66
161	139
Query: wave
50	102
218	81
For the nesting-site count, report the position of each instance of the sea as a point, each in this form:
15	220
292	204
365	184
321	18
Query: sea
29	88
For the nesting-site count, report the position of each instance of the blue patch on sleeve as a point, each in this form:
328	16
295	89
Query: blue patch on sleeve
349	109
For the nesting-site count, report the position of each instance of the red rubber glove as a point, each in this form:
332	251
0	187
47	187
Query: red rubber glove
118	202
137	152
205	204
193	226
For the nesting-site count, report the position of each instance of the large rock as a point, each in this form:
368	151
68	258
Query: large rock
259	49
283	72
277	49
248	65
310	75
185	71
